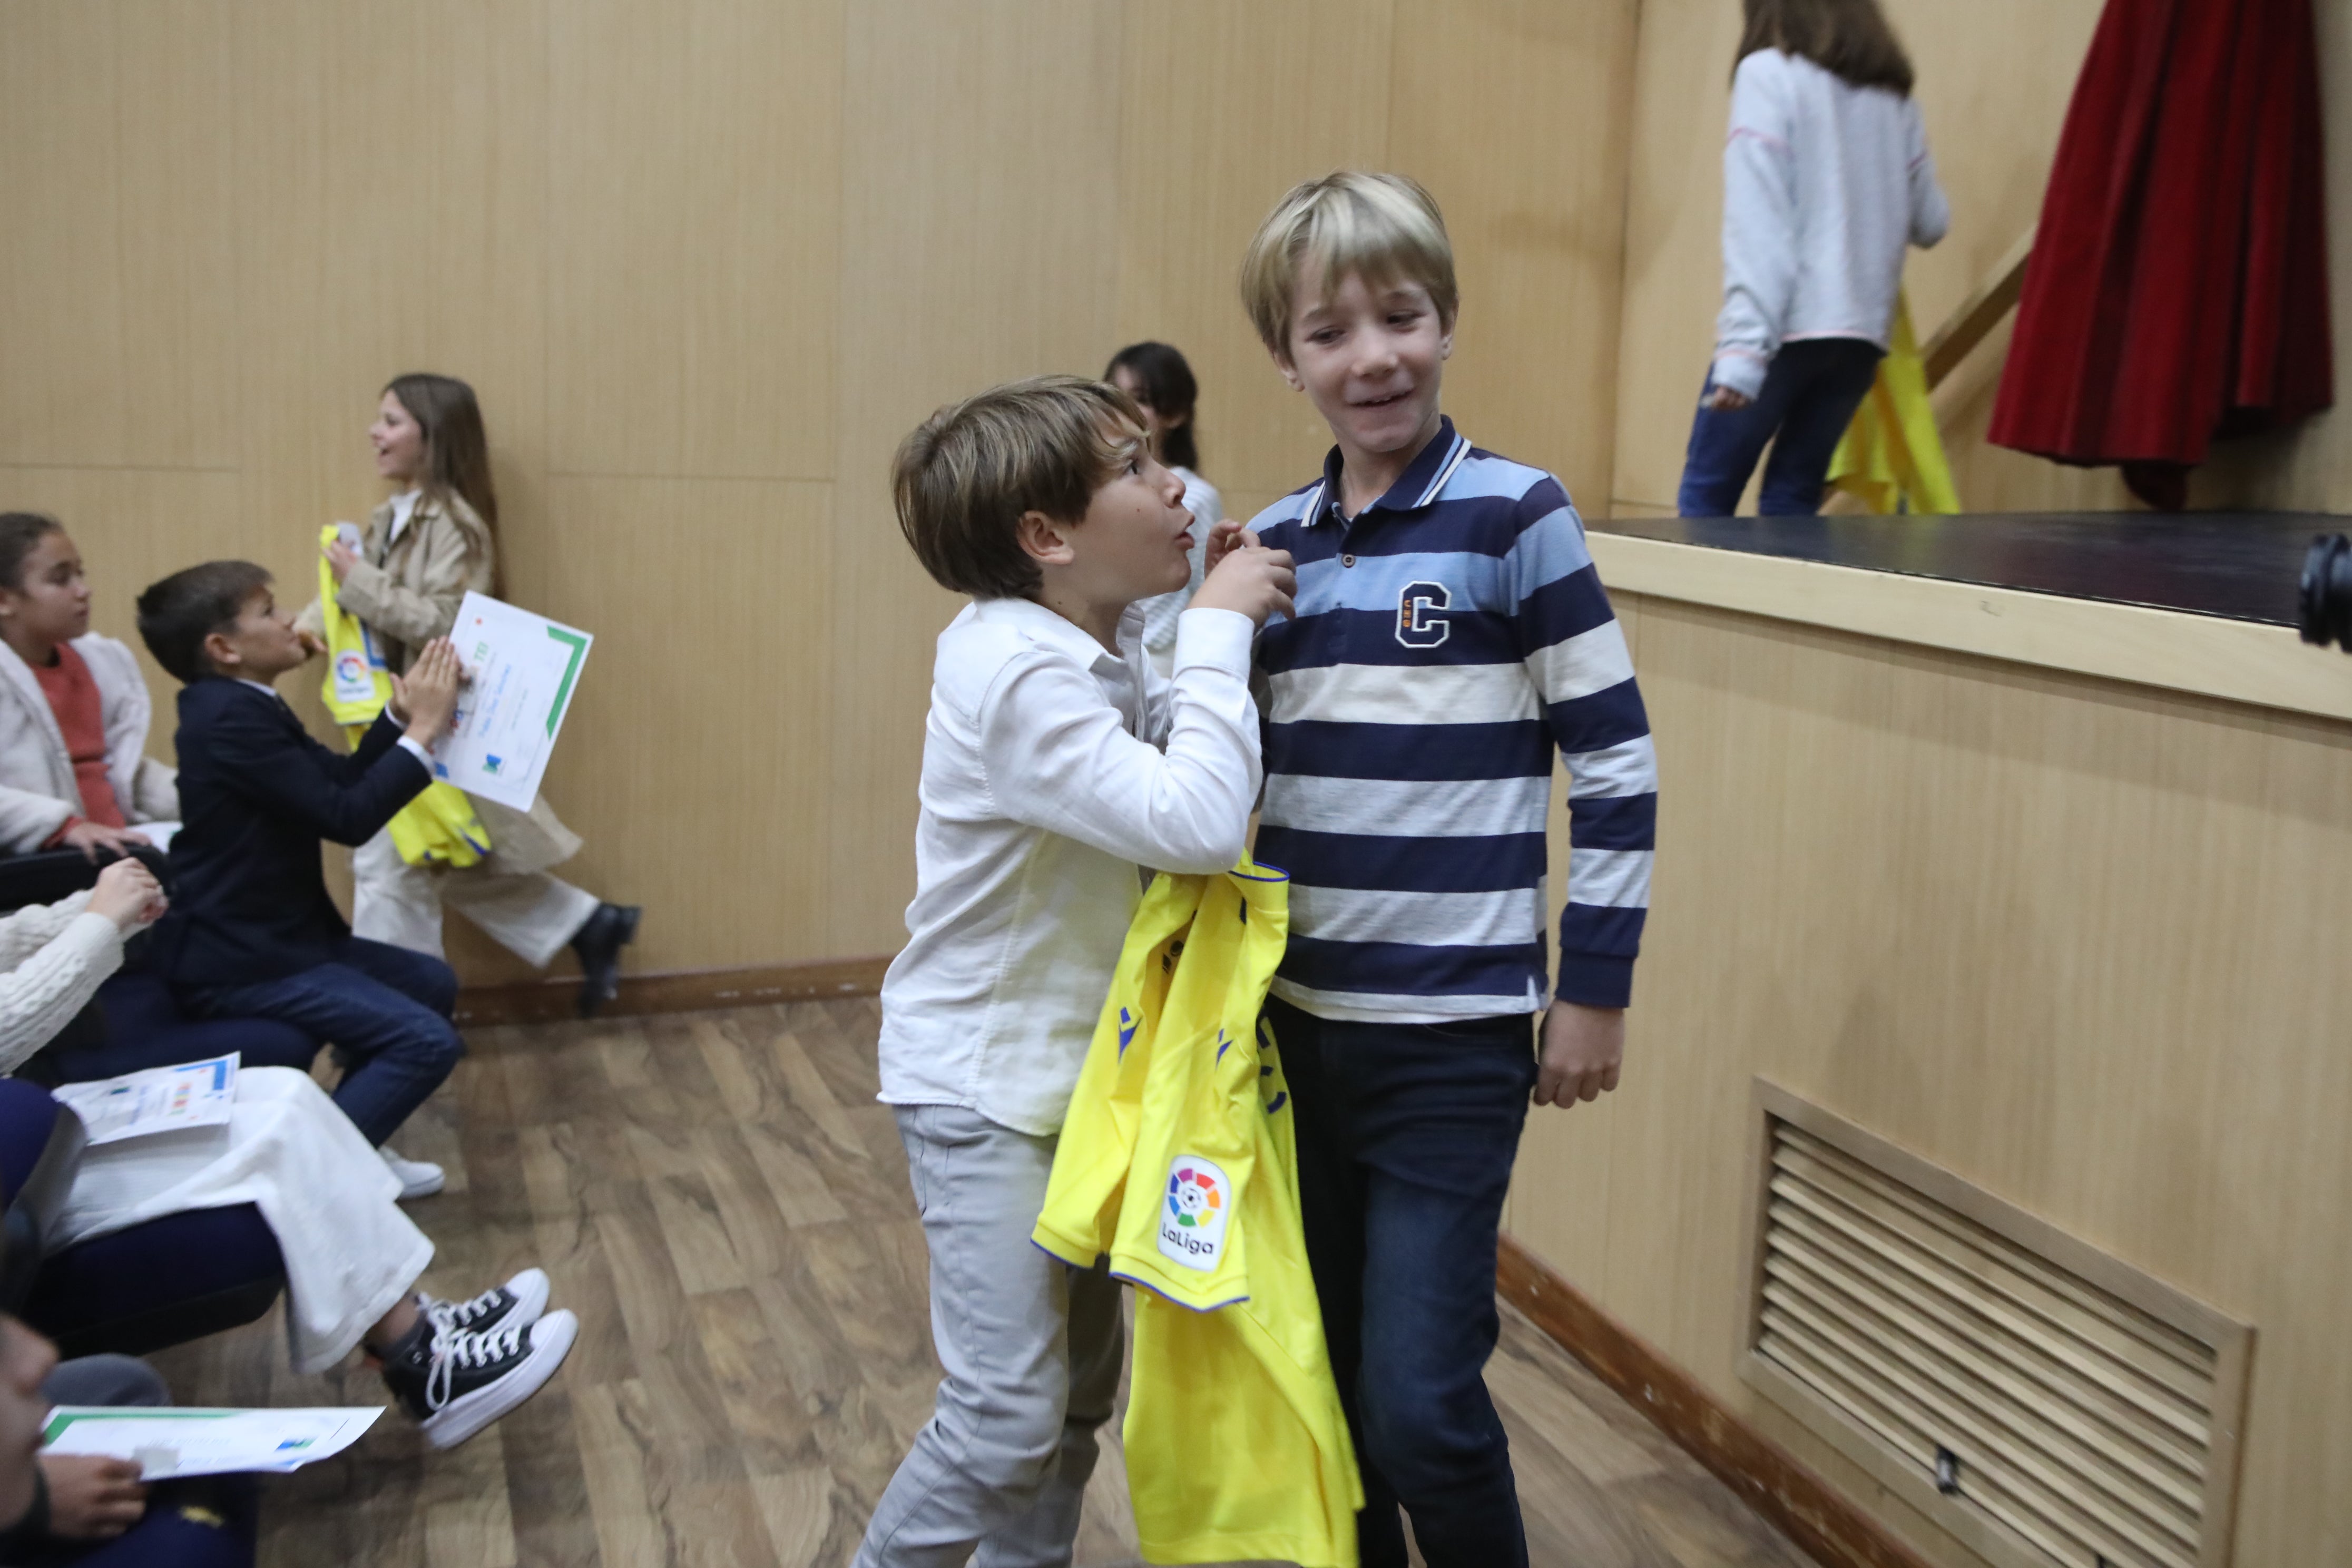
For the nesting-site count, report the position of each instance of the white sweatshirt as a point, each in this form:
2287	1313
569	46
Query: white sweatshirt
1823	184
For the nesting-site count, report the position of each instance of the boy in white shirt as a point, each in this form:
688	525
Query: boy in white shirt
1055	763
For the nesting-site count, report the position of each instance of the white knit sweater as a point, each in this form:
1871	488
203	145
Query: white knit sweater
1823	184
52	958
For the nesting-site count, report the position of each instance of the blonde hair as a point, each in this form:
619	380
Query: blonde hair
964	477
1384	229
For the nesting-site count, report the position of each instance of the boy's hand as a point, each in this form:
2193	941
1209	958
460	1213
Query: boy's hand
92	1498
128	894
1224	537
1582	1049
427	695
314	645
1250	578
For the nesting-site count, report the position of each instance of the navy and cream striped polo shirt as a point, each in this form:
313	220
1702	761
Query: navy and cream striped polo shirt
1446	640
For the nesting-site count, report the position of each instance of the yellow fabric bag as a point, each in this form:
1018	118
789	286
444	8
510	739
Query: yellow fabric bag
439	827
1891	456
1179	1161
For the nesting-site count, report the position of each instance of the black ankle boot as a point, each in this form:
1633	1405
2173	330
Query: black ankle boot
599	942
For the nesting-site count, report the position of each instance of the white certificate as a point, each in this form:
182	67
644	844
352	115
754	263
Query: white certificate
522	670
192	1442
157	1099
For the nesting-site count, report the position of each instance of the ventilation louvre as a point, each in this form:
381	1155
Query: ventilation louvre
2042	1401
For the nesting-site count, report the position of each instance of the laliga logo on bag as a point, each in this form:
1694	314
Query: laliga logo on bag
355	681
1192	1219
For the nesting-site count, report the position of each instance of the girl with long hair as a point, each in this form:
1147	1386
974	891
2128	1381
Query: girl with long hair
1826	179
1162	384
423	549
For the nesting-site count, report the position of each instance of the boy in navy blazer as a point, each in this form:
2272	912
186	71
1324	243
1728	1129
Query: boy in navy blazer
252	932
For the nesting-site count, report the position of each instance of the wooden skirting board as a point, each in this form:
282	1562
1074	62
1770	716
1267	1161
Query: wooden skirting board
674	991
1767	1477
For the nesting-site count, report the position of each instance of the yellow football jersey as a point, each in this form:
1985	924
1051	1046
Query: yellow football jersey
1178	1160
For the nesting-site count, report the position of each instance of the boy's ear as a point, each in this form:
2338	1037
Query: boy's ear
1289	370
1046	540
220	653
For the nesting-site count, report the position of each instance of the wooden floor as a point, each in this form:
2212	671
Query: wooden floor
722	1201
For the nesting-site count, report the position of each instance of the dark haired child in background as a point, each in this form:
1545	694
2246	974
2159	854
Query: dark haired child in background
74	769
1162	384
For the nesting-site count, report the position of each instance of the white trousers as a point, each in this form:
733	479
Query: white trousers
351	1254
530	913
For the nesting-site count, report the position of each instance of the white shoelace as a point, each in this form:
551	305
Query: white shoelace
453	1348
455	1315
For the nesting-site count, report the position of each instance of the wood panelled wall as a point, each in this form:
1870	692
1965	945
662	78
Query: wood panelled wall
1995	77
2080	943
707	263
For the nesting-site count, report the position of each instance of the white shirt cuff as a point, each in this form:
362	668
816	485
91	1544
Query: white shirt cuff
1220	638
1742	371
413	750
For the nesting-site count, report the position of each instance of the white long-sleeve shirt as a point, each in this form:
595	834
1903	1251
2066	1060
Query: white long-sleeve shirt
1823	184
1044	790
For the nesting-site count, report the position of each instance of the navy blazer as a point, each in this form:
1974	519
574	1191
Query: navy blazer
257	794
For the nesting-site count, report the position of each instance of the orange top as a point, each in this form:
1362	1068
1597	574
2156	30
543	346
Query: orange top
73	697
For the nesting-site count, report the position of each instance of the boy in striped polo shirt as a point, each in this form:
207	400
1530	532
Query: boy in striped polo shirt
1450	632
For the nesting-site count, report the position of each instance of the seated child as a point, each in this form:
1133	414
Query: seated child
252	932
86	1508
1451	634
351	1258
1056	760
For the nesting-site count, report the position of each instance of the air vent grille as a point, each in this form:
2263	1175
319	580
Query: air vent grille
2061	1422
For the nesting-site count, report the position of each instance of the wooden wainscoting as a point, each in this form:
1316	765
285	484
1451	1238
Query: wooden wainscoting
556	997
1765	1476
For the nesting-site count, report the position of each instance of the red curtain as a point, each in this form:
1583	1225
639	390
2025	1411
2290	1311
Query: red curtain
2177	288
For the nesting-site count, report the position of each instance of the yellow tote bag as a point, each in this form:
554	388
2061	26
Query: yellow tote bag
439	827
1891	456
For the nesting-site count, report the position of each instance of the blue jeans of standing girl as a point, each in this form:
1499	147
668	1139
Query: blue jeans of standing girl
1808	399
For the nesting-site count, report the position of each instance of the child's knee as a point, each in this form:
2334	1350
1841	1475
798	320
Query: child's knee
438	987
1425	1438
440	1046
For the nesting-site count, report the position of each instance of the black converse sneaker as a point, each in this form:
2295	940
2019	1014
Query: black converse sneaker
453	1383
520	1301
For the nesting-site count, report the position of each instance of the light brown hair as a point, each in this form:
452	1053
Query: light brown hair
456	454
966	475
1848	38
1384	229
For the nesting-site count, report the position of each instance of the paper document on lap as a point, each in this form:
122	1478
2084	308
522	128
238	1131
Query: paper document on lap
523	671
192	1442
158	1100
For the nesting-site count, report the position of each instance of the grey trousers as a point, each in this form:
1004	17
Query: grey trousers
105	1380
1030	1348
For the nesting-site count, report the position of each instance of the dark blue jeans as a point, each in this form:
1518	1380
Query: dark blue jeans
1808	399
1406	1137
384	1007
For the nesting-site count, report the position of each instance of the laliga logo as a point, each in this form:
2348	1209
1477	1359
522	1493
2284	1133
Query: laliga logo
1192	1219
351	666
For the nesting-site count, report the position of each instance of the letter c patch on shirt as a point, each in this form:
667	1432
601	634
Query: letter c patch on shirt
1199	1200
1420	619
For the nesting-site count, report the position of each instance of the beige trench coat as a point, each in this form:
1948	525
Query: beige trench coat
407	592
